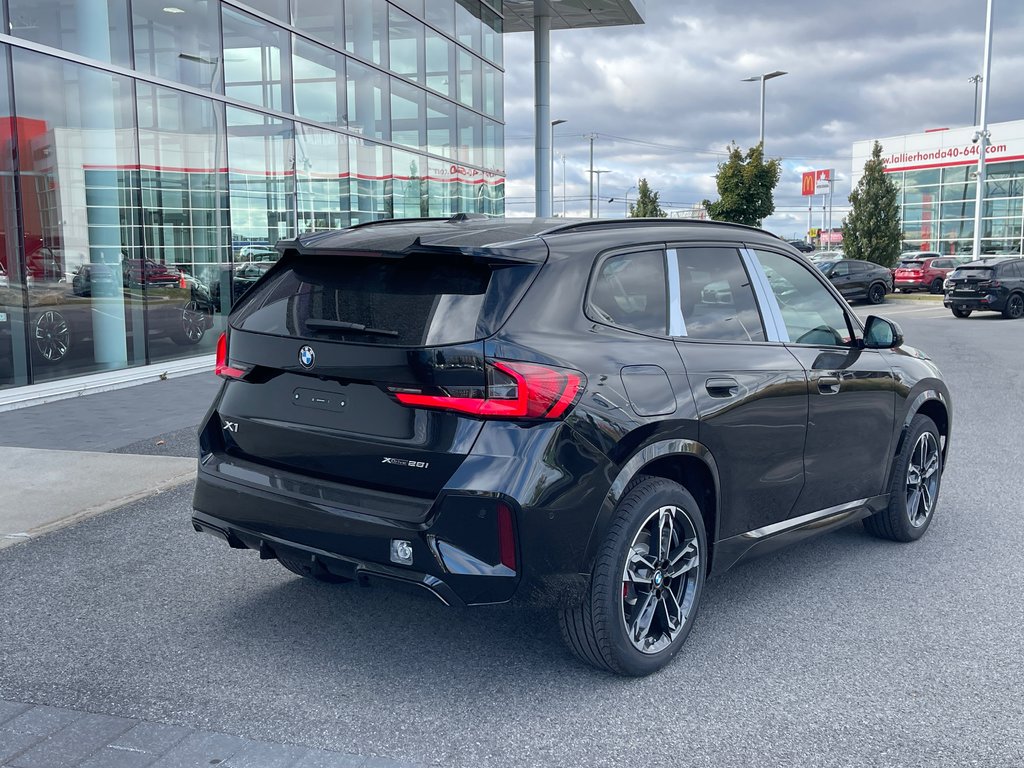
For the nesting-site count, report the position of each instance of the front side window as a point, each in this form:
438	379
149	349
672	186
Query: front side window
716	297
630	291
811	314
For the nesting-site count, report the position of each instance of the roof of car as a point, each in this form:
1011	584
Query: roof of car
469	232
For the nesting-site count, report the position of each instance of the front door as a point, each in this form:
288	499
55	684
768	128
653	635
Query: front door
851	391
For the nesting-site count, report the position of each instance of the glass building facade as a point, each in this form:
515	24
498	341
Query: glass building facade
938	207
936	173
150	149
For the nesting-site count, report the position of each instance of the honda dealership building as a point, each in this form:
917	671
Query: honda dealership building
936	174
152	152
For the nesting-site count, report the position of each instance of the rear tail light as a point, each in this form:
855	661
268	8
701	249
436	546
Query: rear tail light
988	284
223	368
513	391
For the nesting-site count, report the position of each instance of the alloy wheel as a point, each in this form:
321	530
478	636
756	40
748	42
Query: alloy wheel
660	579
52	336
193	322
922	479
1015	306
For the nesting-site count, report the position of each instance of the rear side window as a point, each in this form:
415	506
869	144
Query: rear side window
415	301
630	291
1011	270
716	297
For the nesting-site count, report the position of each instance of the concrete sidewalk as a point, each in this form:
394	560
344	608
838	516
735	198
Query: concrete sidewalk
64	461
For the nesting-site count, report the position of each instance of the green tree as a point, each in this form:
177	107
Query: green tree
872	230
646	205
745	186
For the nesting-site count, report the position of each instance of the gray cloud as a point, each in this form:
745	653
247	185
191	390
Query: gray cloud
666	98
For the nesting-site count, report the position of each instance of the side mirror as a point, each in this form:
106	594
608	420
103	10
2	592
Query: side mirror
880	333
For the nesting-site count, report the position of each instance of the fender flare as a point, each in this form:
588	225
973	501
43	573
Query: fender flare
913	408
633	466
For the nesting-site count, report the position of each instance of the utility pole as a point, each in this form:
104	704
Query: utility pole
598	173
592	136
982	135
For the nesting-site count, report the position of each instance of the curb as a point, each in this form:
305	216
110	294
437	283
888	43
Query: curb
12	539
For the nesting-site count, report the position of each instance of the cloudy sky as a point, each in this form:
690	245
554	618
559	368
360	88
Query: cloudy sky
666	98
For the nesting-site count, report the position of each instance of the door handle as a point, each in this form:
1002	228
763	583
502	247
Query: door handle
828	385
724	386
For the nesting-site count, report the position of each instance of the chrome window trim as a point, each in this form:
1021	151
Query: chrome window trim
775	326
676	323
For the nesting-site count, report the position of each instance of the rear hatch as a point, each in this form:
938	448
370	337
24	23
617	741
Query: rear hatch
970	281
367	369
910	270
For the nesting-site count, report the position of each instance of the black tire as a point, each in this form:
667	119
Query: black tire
961	313
308	568
51	337
876	293
191	326
1014	308
936	286
914	487
595	627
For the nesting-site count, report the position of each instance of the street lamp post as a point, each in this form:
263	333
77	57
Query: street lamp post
552	151
762	78
976	79
627	198
598	174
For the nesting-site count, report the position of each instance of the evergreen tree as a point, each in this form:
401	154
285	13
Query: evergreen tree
646	205
872	230
745	186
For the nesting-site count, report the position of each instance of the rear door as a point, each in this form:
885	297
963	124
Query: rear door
750	391
337	349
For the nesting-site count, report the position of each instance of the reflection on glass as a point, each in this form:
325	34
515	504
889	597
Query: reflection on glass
256	61
368	101
261	180
276	8
410	186
319	83
78	183
366	30
406	45
92	28
440	63
371	182
14	365
407	115
440	14
322	179
468	28
494	145
471	138
493	100
441	127
182	146
324	19
179	41
492	43
469	78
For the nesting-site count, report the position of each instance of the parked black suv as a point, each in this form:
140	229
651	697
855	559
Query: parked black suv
858	280
475	406
991	285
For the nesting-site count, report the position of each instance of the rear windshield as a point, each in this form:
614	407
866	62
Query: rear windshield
983	272
908	263
420	300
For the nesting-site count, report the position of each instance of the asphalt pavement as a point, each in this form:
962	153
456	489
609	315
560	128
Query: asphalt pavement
841	651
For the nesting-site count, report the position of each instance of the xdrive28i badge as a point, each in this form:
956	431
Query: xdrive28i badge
307	357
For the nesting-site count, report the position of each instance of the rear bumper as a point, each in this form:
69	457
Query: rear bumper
911	285
989	302
455	553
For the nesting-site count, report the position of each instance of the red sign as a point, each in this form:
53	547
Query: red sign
807	184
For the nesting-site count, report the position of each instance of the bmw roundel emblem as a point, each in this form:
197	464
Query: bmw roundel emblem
307	357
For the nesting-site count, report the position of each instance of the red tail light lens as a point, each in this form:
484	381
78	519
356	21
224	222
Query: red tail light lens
222	368
506	537
514	391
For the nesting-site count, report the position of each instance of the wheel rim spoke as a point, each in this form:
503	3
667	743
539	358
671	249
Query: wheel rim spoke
659	579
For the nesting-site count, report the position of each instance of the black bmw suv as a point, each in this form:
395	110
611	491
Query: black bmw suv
474	407
987	285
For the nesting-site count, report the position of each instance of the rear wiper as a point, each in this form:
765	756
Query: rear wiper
341	325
